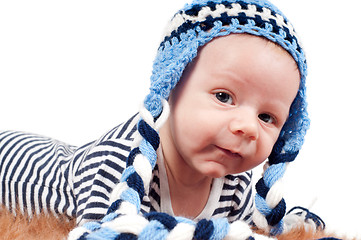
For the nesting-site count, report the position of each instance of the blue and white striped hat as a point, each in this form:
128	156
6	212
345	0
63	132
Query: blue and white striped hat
192	27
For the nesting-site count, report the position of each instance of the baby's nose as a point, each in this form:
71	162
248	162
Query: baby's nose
246	125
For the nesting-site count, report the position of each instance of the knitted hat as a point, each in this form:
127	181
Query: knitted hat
192	27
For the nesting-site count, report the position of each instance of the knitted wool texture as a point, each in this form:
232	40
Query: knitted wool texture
192	27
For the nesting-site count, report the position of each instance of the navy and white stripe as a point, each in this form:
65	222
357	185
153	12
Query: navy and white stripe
235	201
34	174
204	15
40	174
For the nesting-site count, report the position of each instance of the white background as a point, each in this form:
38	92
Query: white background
74	69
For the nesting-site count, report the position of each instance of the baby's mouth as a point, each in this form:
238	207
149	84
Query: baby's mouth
230	153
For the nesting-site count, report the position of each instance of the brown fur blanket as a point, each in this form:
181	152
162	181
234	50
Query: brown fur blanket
40	227
51	228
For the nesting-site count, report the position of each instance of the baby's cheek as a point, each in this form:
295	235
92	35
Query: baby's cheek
264	150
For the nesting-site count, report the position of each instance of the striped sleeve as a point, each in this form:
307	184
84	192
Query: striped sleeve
34	174
98	168
40	174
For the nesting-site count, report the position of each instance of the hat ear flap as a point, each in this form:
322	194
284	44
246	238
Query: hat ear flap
270	205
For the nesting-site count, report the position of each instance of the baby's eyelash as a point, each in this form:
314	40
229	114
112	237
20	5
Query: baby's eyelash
224	97
267	118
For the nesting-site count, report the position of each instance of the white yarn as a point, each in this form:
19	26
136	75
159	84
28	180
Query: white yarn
262	237
202	14
252	11
177	21
146	116
266	14
294	221
275	194
280	20
236	8
260	220
182	231
131	223
76	233
238	230
137	140
117	191
144	170
220	8
164	116
127	208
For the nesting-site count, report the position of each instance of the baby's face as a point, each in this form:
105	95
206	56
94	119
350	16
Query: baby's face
229	108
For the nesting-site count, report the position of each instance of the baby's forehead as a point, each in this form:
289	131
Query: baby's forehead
243	57
239	40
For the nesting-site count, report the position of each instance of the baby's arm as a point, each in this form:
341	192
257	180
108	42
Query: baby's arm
98	168
33	174
40	174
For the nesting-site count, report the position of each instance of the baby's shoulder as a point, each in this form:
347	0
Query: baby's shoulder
110	150
125	130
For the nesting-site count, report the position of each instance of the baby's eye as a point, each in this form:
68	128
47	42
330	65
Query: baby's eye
267	118
224	97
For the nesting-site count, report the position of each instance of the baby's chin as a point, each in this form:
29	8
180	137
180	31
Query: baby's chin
219	172
215	171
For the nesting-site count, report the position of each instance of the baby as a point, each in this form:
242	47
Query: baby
227	92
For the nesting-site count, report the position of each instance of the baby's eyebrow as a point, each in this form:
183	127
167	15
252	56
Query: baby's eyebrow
278	108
